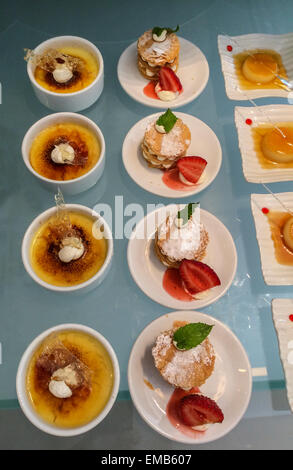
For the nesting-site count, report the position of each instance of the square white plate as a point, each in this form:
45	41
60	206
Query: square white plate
282	44
270	115
275	274
282	309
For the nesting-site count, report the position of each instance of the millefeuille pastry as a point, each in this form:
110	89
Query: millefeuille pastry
184	355
181	237
165	141
156	48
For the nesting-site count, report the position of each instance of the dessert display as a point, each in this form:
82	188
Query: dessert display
274	145
180	244
64	151
64	70
156	48
185	358
259	69
69	378
68	248
165	141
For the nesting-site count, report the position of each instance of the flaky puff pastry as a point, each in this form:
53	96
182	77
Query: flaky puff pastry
183	369
153	55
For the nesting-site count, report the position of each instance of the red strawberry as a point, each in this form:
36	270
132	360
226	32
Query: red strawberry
196	410
168	80
197	276
191	168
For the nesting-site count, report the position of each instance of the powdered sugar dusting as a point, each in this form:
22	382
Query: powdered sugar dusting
178	365
172	142
183	242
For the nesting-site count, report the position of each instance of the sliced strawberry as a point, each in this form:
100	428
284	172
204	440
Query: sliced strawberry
191	168
168	80
196	410
197	277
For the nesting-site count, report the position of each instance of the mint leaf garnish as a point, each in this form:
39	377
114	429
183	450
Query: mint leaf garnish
167	120
191	335
186	213
158	30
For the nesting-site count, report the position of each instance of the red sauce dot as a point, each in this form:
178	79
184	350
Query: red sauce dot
265	210
248	122
229	48
291	317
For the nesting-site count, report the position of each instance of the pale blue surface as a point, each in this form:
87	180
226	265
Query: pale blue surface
118	309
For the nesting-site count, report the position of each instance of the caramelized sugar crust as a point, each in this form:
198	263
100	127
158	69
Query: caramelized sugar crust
46	246
84	142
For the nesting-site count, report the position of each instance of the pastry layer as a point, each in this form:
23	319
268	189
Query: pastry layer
184	369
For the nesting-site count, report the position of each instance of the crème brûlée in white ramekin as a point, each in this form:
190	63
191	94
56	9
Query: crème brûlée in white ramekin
174	242
162	149
154	52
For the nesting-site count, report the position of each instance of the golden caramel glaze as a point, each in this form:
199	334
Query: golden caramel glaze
277	221
89	397
46	245
257	69
84	142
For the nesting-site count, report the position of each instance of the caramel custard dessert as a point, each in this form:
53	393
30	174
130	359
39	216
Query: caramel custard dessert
64	151
281	225
68	249
274	145
69	378
259	69
64	70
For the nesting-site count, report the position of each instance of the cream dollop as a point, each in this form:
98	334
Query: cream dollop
62	73
162	36
165	95
63	153
72	249
61	381
59	389
188	183
160	129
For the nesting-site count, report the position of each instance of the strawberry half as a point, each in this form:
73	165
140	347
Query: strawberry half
169	81
196	410
197	277
191	168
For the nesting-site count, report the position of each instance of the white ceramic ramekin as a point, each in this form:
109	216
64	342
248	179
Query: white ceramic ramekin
75	101
76	185
26	404
91	283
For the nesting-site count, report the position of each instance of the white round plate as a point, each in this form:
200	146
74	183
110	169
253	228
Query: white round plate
193	72
147	271
204	143
229	385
